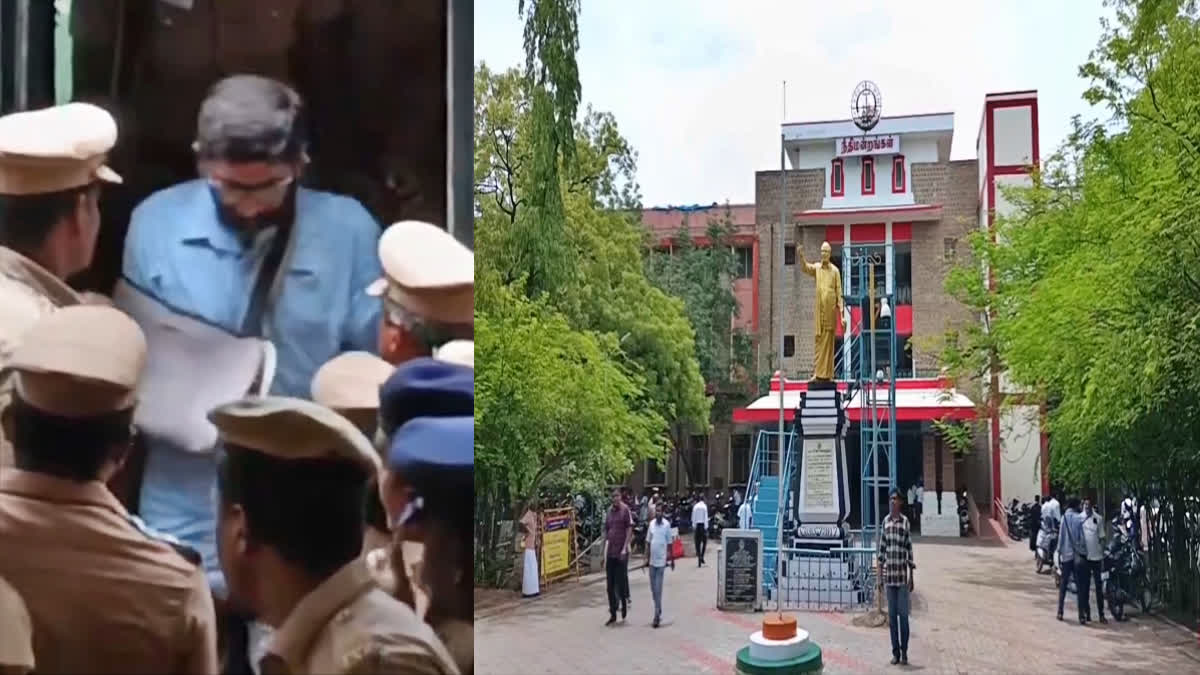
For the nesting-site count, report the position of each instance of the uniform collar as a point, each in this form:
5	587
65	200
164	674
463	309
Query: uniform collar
292	641
51	488
28	272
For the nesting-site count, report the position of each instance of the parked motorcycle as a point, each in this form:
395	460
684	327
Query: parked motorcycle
716	523
1018	517
1123	573
1047	543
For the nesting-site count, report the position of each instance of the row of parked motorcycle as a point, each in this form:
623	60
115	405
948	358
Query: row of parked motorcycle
1122	570
722	511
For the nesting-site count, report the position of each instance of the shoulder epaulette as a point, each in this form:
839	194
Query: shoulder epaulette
190	554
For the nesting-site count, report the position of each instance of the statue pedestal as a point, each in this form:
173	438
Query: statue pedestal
823	493
779	648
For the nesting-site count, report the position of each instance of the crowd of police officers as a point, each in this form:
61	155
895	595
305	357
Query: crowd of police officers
342	534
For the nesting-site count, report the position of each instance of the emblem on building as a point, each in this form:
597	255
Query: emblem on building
866	104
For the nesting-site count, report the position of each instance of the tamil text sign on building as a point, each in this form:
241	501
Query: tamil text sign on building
867	145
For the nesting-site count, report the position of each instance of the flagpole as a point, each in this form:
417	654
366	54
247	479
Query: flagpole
782	380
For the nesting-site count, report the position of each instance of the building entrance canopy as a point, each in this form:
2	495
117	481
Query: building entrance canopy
922	400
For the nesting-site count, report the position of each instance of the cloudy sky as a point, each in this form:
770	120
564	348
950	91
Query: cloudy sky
696	86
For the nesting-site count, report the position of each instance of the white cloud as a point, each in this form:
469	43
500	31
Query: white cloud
697	86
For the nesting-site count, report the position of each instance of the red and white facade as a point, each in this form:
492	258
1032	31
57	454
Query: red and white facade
894	185
1008	147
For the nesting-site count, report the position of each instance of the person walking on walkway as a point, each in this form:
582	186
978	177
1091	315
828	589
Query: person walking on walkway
1035	519
895	570
658	556
700	527
1072	559
1093	532
618	533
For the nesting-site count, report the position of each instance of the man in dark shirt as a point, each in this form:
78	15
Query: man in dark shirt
618	532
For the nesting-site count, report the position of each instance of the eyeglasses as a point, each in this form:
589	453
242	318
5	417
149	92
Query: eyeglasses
271	192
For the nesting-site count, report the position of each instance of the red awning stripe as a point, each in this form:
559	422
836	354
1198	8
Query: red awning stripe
854	414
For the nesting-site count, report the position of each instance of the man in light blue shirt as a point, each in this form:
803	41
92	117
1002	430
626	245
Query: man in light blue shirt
1072	558
201	248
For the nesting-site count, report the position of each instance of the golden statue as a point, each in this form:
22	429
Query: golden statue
829	309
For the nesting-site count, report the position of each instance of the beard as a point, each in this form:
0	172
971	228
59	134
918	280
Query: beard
282	215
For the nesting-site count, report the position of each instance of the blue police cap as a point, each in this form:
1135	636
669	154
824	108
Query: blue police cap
426	387
434	445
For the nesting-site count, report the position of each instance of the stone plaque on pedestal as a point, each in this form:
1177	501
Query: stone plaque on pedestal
823	494
739	570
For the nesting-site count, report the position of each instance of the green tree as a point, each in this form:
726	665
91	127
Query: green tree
1094	305
607	289
703	276
597	317
1095	285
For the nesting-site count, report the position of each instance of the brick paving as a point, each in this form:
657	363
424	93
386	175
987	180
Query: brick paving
978	608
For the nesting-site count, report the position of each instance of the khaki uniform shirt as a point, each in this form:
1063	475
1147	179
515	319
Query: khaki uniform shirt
190	44
379	565
16	631
104	595
27	293
349	625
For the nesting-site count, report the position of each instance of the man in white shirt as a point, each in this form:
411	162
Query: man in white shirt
658	545
744	516
1093	532
700	526
1052	509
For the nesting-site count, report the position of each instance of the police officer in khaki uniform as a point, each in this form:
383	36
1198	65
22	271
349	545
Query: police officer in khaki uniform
349	385
16	636
428	290
105	594
291	485
153	61
51	169
431	463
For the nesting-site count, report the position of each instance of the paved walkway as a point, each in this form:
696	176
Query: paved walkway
978	608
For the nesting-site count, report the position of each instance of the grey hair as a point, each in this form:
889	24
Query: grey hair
248	118
432	334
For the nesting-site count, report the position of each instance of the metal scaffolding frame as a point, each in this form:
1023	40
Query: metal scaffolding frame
876	386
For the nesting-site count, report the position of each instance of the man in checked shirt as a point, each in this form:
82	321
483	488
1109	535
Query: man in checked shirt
895	569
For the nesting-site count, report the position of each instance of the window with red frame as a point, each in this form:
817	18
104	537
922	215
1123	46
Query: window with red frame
837	179
868	175
899	181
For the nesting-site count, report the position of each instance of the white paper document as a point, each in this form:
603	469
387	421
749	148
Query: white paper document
191	367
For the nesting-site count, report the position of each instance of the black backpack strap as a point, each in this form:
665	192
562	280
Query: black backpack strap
268	279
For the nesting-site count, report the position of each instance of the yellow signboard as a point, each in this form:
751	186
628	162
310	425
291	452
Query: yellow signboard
556	543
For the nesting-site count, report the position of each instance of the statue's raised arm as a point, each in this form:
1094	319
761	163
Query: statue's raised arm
828	311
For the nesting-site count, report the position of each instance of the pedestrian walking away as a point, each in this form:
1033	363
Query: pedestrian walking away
618	533
895	570
1093	532
658	556
1035	518
700	527
1073	559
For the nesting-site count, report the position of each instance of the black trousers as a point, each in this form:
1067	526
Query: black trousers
1068	573
617	582
701	541
1092	569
